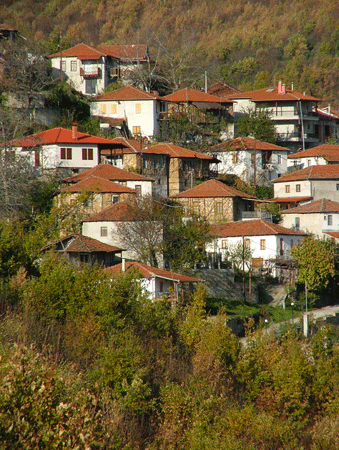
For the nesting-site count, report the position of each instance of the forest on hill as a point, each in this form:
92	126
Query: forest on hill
248	44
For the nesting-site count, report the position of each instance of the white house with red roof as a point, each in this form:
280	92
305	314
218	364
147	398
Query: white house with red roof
157	283
267	241
254	161
318	217
311	183
294	113
90	70
106	226
139	109
216	201
61	148
319	155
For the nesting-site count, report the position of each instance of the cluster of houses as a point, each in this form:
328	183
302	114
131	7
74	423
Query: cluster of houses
303	171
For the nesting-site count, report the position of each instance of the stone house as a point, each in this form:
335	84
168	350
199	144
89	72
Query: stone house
216	201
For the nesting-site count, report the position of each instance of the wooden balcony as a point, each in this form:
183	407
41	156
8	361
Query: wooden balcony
90	72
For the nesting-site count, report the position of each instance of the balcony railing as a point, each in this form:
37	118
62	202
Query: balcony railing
90	72
264	215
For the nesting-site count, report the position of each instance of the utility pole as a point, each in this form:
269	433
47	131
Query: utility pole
61	73
243	268
255	164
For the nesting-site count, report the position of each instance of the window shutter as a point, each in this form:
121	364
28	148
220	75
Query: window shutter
62	153
90	153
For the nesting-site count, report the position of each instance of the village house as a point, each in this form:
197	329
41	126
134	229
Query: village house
253	161
318	217
90	70
138	110
268	242
216	201
311	183
174	168
328	124
60	148
319	155
158	284
81	249
93	194
201	108
106	227
293	113
142	184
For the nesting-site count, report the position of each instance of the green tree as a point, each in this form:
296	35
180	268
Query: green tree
257	124
316	261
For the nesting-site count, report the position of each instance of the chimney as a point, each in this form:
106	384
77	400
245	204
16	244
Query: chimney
279	87
123	265
283	88
292	86
74	131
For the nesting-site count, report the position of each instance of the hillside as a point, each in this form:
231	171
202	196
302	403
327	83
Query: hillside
249	44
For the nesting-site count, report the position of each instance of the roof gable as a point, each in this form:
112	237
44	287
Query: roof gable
329	152
80	51
77	243
247	143
173	151
126	93
96	184
272	94
212	188
126	52
322	172
323	205
119	212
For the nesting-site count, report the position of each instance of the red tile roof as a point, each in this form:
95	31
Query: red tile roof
272	95
96	184
129	145
150	272
119	212
251	228
76	243
173	151
329	152
59	136
81	51
107	172
222	90
325	172
328	114
334	234
319	206
246	143
127	53
290	199
192	95
212	188
126	93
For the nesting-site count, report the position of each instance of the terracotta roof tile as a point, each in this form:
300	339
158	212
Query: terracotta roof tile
272	95
319	206
76	243
150	272
222	90
119	212
192	95
125	52
212	188
59	136
290	199
251	228
173	151
325	172
334	234
329	152
126	93
81	51
107	172
246	143
96	184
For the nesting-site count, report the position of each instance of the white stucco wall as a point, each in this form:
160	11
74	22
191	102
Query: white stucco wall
315	223
305	189
306	162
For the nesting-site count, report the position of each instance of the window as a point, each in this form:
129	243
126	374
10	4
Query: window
234	158
297	188
297	223
103	108
87	153
73	66
136	129
90	86
36	158
287	188
63	66
138	108
115	198
114	108
65	153
247	243
219	208
262	244
308	162
337	187
103	231
329	220
88	203
279	159
224	243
